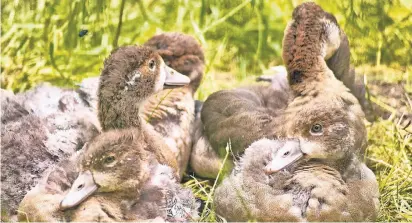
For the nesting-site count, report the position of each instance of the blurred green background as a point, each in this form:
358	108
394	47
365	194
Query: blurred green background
40	42
40	39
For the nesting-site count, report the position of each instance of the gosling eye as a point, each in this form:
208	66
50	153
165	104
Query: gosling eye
286	153
152	65
110	160
316	129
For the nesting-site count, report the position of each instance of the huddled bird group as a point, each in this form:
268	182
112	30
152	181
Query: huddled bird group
117	149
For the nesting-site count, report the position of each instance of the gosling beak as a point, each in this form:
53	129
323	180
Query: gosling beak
313	150
82	188
285	156
174	78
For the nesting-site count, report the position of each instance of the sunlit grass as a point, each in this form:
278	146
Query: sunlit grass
40	39
40	43
389	155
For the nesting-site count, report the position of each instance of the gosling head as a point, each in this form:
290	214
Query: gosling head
267	156
286	153
117	161
130	75
181	52
327	127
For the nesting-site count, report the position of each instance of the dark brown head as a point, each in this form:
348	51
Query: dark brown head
182	53
117	161
130	75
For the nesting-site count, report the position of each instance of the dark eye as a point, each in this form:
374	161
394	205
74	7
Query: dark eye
316	129
187	62
286	153
152	65
109	160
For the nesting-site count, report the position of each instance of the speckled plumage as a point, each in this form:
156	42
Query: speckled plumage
330	183
115	78
31	143
24	157
158	196
172	111
41	203
42	100
118	106
11	109
138	186
304	191
88	91
315	97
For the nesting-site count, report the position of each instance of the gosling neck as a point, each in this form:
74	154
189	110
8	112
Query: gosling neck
122	109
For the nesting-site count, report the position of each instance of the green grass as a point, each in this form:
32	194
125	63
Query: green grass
40	42
389	156
389	153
